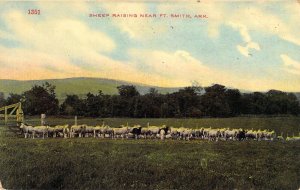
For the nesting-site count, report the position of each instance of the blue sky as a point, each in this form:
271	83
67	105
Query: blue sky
242	44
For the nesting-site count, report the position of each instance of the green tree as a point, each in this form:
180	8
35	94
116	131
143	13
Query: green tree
233	98
41	99
127	91
13	98
73	105
214	101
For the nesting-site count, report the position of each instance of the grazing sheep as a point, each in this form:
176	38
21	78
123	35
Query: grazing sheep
162	134
77	129
26	129
136	130
51	132
61	129
88	131
230	134
213	134
43	130
123	131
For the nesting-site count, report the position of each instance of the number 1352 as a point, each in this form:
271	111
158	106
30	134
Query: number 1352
34	12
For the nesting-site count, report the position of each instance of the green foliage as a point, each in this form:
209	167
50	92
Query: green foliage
13	98
188	102
127	91
41	99
73	106
214	101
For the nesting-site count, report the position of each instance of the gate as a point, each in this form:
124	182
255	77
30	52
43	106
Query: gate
13	111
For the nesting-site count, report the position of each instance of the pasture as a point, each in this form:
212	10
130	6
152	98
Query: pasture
88	163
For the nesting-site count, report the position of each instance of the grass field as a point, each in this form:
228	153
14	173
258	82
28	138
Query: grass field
89	163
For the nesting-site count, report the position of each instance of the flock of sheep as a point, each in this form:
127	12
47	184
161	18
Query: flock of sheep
149	132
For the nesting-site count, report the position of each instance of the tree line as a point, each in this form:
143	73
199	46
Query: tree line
193	101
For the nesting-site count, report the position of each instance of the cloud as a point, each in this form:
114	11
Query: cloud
290	65
180	68
65	45
59	36
244	50
25	64
177	68
254	16
260	20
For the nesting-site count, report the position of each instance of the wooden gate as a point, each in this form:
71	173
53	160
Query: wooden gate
13	111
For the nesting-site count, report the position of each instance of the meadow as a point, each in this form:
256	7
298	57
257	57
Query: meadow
89	163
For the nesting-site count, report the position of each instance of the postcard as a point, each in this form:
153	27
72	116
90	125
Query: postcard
150	94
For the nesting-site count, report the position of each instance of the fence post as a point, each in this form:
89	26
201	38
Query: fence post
43	116
5	115
76	120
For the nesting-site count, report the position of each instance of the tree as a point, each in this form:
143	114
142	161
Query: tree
95	104
293	104
254	103
189	102
126	101
214	101
13	98
127	91
73	105
152	104
41	99
233	98
281	103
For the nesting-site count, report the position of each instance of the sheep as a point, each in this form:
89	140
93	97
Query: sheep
77	129
40	130
26	129
123	131
61	129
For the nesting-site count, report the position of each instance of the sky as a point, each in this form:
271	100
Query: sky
241	44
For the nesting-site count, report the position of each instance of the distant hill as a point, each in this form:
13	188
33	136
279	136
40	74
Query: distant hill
79	86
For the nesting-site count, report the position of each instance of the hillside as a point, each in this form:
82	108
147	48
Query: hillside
79	86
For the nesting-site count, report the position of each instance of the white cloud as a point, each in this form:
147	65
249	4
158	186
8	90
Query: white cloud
290	65
244	50
64	36
17	63
179	68
48	47
255	18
